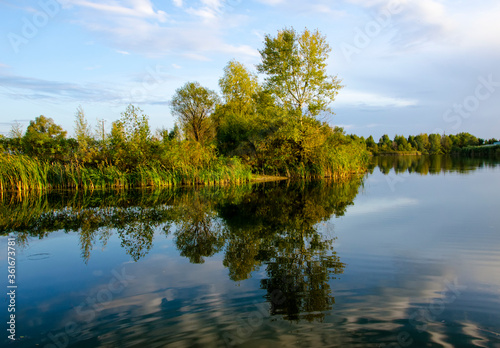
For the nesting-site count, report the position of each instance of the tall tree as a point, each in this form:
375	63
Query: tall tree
423	144
193	105
82	130
83	134
435	144
44	139
239	88
130	138
295	65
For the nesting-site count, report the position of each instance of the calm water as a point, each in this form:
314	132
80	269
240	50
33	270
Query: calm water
408	256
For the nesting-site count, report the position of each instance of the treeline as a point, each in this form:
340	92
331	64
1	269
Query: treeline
266	129
432	144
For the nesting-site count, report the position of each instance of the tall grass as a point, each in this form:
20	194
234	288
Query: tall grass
23	174
486	151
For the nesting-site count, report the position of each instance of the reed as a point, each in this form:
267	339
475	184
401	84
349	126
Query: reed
24	174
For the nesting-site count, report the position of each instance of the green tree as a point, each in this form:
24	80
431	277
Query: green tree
239	88
401	143
130	138
435	144
237	121
295	65
423	144
45	139
371	145
466	139
446	144
193	105
83	135
385	143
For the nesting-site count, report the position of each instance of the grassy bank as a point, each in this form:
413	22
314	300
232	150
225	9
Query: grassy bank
22	173
488	151
398	153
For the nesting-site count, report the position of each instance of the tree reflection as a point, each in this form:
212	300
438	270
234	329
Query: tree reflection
275	225
198	232
280	226
435	164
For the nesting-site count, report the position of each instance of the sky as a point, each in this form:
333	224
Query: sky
407	66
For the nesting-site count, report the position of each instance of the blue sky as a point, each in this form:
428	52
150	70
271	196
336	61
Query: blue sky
408	66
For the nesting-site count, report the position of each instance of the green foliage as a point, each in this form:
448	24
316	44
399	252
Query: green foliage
25	174
130	139
193	105
371	145
254	129
485	151
83	135
432	144
239	88
45	139
295	65
435	144
308	149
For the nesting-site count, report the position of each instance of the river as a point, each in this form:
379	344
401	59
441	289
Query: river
406	256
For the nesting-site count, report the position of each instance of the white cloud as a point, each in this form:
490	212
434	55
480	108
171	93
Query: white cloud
177	3
442	22
306	8
480	28
137	8
366	99
272	2
380	205
211	11
414	22
123	52
138	27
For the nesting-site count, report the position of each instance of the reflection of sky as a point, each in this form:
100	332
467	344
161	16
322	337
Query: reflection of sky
401	248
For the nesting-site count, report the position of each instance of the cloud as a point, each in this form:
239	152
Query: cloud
177	3
414	22
417	23
366	99
272	2
137	8
19	87
139	28
381	205
480	28
305	8
139	89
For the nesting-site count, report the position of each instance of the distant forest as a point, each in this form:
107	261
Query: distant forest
432	144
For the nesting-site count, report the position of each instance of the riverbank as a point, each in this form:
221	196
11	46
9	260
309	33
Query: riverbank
490	151
20	173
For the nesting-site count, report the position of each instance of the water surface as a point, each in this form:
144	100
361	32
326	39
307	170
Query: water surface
408	256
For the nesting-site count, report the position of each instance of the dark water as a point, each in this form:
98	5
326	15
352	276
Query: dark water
408	256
